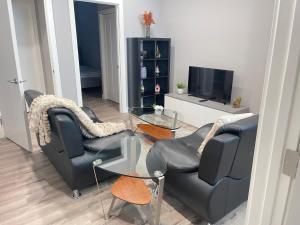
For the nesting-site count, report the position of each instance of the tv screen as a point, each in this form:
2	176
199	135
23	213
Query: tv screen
210	84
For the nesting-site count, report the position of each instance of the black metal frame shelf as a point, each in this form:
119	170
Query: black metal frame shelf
143	52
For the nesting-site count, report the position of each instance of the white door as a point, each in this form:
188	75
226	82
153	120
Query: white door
109	55
293	143
12	104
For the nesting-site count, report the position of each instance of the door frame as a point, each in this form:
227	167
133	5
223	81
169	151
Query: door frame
104	63
52	48
269	188
123	96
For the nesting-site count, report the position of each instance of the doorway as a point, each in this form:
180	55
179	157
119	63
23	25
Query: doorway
97	52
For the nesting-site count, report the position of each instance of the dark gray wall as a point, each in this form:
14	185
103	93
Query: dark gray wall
87	26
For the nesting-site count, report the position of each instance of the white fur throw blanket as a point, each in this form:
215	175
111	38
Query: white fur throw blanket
39	123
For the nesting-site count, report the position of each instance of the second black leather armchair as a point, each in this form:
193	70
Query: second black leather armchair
216	182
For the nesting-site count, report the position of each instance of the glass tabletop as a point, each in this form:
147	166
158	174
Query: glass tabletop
131	159
165	118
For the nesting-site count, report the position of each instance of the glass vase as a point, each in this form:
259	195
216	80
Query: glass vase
147	31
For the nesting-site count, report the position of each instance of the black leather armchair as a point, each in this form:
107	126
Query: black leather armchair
70	152
216	182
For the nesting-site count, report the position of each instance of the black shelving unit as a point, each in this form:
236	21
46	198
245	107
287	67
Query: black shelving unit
143	52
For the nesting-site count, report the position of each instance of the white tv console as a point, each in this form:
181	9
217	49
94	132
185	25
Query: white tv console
196	113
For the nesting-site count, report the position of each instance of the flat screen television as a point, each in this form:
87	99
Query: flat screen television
210	84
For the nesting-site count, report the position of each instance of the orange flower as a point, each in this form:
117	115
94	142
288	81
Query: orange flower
148	18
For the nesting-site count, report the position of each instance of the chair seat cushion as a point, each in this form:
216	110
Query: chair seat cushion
176	154
180	154
99	144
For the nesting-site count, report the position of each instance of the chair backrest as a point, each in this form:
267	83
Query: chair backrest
246	130
30	95
230	152
65	128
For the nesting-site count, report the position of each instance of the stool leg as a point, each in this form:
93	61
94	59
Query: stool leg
111	206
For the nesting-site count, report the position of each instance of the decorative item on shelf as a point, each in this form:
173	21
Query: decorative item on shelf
157	89
237	102
157	52
142	88
158	109
157	71
142	102
143	54
180	87
148	21
143	72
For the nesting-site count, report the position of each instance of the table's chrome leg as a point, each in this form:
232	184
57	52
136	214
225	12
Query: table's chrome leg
161	183
149	214
111	206
97	182
175	119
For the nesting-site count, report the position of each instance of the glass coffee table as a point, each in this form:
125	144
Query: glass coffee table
160	125
132	166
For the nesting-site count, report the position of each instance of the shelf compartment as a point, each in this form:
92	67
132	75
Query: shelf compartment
148	101
148	78
150	67
164	85
161	59
162	77
149	86
163	47
148	59
160	99
163	67
148	48
146	95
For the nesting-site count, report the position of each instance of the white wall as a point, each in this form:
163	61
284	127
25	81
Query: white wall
230	34
133	9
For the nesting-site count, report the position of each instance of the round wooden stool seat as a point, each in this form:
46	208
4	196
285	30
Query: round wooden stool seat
132	190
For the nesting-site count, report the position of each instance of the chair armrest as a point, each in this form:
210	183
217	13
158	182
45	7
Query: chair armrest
217	158
70	135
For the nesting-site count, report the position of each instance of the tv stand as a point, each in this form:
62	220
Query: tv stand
197	111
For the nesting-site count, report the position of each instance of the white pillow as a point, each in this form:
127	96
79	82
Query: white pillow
223	120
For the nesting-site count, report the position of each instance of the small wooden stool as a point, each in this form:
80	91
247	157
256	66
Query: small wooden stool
133	191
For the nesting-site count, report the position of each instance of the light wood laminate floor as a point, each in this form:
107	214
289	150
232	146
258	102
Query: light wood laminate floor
32	192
